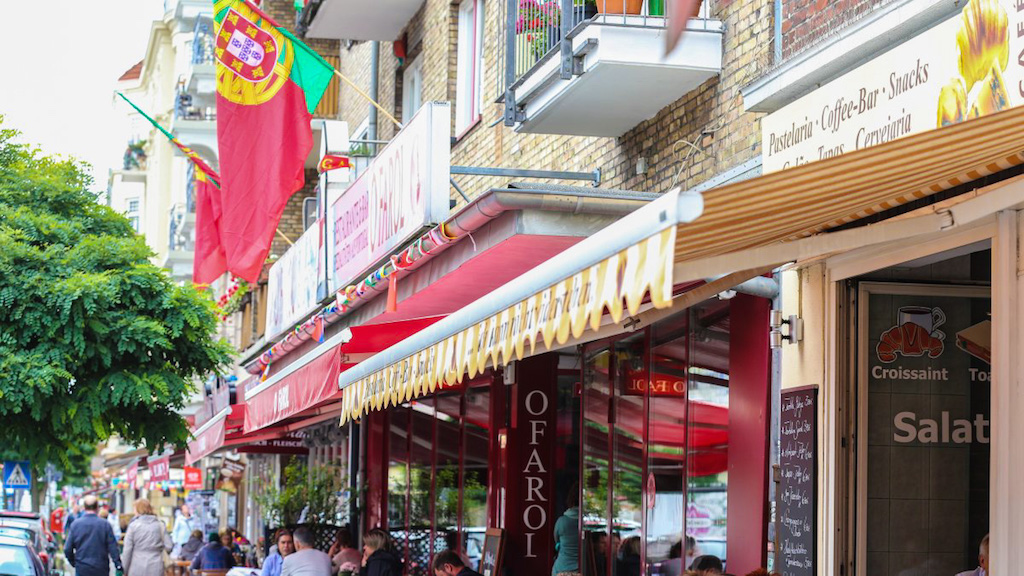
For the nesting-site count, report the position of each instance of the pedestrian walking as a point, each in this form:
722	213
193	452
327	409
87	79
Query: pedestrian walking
90	543
145	542
184	525
306	560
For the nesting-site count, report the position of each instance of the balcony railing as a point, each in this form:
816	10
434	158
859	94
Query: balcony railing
184	109
551	46
203	41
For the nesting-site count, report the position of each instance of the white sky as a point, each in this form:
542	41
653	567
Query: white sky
61	61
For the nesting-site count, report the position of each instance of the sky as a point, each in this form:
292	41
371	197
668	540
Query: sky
61	62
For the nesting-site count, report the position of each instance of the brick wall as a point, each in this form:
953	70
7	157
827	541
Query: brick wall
291	220
807	22
711	117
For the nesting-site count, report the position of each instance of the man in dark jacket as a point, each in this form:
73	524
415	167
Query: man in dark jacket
448	563
214	556
90	542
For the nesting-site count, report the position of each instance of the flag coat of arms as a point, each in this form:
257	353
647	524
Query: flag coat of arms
268	85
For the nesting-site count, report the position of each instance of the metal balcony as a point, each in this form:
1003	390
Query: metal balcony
598	74
359	19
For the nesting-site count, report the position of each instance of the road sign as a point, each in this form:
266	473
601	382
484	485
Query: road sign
17	474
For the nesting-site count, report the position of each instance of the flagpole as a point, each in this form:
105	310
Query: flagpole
367	97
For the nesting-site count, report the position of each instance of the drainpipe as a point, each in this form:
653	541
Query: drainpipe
371	133
778	31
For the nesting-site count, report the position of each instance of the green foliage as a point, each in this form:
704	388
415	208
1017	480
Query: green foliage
94	339
316	488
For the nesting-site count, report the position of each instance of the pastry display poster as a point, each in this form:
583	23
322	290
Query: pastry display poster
927	352
964	67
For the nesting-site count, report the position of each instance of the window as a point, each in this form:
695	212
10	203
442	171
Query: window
468	99
412	89
133	205
134	222
439	471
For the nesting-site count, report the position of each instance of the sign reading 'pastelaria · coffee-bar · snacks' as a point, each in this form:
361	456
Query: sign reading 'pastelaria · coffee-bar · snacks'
962	68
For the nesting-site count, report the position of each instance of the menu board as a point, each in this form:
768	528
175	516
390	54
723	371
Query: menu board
490	560
798	463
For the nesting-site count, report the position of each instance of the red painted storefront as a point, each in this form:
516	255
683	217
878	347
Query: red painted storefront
660	433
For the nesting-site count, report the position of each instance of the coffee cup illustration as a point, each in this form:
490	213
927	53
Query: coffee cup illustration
928	318
915	334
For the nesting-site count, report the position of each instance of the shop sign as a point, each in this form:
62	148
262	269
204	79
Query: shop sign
403	191
276	446
293	283
661	385
132	475
193	478
160	469
230	477
618	284
965	67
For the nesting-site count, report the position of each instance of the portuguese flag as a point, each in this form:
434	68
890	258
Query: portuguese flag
209	262
268	84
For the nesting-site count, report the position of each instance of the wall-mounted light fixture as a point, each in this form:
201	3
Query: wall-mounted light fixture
794	334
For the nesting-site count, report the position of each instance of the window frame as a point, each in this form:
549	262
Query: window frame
469	66
412	89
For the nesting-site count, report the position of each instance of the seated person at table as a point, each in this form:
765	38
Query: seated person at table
213	556
307	560
192	547
448	563
284	547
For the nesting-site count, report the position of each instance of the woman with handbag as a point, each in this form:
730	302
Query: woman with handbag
145	542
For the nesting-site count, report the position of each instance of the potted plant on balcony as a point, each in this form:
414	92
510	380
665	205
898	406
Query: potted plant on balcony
619	6
538	30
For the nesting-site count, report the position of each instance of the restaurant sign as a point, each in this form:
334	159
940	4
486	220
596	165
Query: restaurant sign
294	278
965	67
403	191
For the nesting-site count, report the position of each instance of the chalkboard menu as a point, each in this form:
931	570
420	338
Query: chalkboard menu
490	560
796	492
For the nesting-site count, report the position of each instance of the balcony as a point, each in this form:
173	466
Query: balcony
359	19
609	74
202	75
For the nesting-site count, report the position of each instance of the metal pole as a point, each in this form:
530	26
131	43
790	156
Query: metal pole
567	21
371	131
594	176
510	61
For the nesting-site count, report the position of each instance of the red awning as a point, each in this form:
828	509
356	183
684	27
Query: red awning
304	388
207	438
315	383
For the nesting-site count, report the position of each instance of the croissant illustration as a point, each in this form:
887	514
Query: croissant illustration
982	39
952	102
992	97
909	340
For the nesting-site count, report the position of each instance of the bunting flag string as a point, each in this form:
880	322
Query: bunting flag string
618	284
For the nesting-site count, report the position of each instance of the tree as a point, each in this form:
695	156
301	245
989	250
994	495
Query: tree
95	340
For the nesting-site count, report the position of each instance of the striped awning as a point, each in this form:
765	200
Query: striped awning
819	196
618	267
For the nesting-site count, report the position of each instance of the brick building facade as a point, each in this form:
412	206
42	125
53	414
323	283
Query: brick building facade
710	117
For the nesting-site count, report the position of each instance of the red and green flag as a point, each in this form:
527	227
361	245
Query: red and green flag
209	262
268	85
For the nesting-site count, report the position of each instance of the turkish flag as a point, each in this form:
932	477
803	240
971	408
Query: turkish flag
678	13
